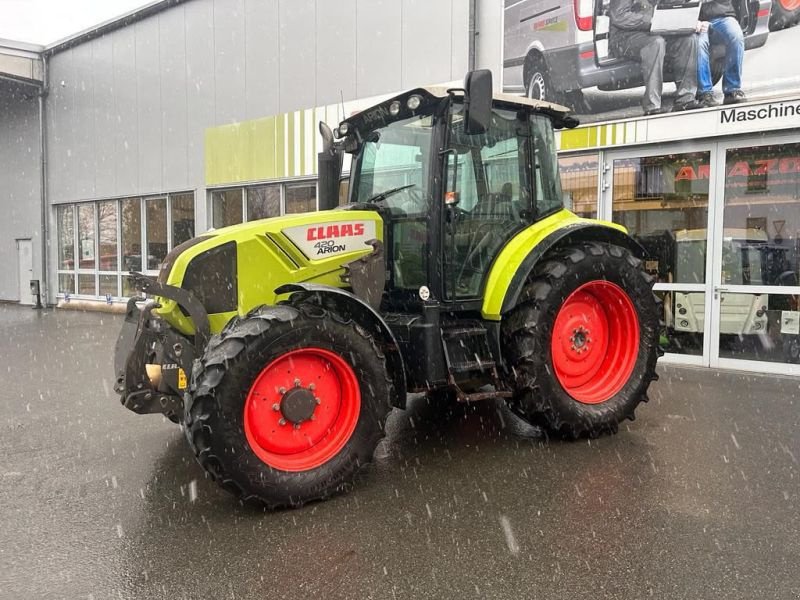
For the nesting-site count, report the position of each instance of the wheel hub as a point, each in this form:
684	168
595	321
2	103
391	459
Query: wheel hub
297	405
580	340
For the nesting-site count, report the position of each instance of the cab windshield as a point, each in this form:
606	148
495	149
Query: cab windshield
393	165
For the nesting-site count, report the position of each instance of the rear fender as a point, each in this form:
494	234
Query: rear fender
352	307
514	265
581	232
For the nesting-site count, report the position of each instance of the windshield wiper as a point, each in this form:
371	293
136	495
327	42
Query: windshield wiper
387	193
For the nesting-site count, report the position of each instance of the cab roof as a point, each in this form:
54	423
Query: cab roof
378	112
440	91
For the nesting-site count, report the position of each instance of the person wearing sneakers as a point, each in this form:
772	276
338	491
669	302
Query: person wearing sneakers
718	25
630	37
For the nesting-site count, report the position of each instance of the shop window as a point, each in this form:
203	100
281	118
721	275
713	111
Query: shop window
579	184
682	322
263	202
127	287
131	211
663	201
107	235
66	237
108	285
344	191
182	213
86	236
301	198
226	208
156	228
761	244
66	283
86	285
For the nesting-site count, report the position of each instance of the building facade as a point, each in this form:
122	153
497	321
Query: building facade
122	142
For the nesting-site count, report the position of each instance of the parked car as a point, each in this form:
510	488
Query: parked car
553	52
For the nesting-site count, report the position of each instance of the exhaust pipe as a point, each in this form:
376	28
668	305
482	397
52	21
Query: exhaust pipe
329	169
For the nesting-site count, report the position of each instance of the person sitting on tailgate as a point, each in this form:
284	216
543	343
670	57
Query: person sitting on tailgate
719	25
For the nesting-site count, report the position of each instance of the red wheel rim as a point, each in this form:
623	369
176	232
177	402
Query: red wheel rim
790	5
301	409
595	342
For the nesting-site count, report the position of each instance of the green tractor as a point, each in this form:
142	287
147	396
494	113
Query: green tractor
453	269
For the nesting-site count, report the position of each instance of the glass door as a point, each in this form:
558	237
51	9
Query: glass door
755	323
664	201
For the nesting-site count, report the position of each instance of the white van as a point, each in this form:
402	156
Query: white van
554	49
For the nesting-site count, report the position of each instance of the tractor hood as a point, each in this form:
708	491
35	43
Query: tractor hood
234	269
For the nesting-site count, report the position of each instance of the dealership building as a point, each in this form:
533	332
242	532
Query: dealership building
121	142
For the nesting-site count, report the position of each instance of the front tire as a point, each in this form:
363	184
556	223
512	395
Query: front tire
584	341
287	404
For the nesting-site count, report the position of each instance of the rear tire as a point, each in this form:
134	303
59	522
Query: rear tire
539	86
337	379
784	13
583	342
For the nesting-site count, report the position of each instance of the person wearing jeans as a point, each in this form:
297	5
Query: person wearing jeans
718	26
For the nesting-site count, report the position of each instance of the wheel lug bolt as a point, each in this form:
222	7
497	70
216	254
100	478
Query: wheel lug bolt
297	425
281	421
313	418
282	390
312	387
296	383
318	401
276	407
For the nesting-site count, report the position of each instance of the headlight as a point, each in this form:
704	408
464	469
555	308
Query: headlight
394	108
413	102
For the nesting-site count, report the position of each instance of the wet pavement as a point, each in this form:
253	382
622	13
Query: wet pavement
698	498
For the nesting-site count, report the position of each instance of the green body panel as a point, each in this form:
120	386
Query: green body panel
515	251
267	258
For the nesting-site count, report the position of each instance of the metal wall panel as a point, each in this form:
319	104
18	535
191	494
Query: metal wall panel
83	125
19	183
336	51
297	54
379	47
104	116
489	47
149	105
229	60
61	113
459	39
174	132
200	107
261	58
125	131
426	42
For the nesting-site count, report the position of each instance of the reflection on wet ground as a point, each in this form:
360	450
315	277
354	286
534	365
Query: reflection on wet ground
698	498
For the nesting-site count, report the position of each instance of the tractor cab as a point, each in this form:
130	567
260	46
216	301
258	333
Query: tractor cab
455	174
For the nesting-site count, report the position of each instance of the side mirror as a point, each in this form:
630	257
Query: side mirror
478	101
